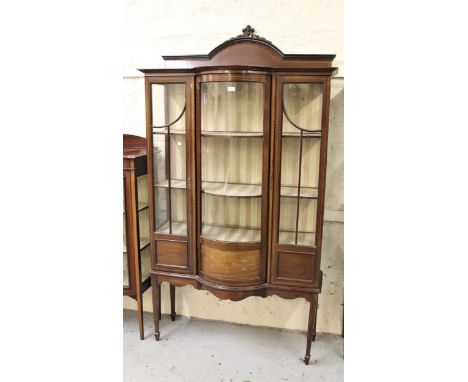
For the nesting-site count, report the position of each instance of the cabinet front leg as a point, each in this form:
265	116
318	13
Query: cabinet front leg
314	332
160	310
311	326
156	290
172	293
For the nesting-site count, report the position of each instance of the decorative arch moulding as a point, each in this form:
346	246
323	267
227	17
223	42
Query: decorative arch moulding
251	51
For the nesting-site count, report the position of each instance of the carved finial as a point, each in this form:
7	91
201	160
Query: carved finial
248	34
248	31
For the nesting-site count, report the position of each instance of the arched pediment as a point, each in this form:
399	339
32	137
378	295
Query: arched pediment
251	50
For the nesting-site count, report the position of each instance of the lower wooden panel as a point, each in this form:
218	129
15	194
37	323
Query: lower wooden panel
171	253
297	268
230	265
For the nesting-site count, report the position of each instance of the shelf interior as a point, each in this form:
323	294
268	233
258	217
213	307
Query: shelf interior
232	189
241	190
240	134
162	131
178	228
303	238
231	234
306	192
297	134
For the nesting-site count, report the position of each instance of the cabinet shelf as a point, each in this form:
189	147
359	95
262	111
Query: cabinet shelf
178	228
141	206
232	189
173	131
306	192
219	188
241	134
240	234
241	190
303	238
231	234
175	183
298	135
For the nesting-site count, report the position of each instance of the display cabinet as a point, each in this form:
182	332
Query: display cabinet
136	229
237	147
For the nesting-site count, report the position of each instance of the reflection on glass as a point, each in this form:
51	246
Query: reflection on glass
143	227
169	148
126	282
231	160
300	159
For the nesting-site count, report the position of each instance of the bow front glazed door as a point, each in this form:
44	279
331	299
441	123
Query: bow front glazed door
233	138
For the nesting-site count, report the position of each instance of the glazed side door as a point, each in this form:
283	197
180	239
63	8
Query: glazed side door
169	119
300	147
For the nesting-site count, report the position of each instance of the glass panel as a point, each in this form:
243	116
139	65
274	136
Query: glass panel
300	161
231	160
126	280
303	105
169	145
145	254
143	227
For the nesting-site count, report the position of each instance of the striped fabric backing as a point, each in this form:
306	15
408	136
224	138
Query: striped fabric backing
168	103
240	110
290	161
231	159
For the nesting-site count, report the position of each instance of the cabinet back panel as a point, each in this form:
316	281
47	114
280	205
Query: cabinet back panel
232	159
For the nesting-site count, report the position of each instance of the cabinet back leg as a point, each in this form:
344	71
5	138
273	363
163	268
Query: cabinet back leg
311	326
156	291
140	315
172	293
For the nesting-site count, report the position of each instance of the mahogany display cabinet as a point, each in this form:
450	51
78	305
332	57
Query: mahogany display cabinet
136	230
237	150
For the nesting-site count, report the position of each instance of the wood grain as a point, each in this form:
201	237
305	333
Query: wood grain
231	265
171	253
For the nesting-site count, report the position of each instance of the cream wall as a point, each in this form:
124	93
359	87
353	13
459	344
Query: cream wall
153	28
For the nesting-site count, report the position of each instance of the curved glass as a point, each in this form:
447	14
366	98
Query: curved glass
231	160
169	150
143	227
300	160
126	279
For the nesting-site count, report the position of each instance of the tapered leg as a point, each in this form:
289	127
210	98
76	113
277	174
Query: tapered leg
156	290
311	326
159	287
140	315
314	332
172	292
